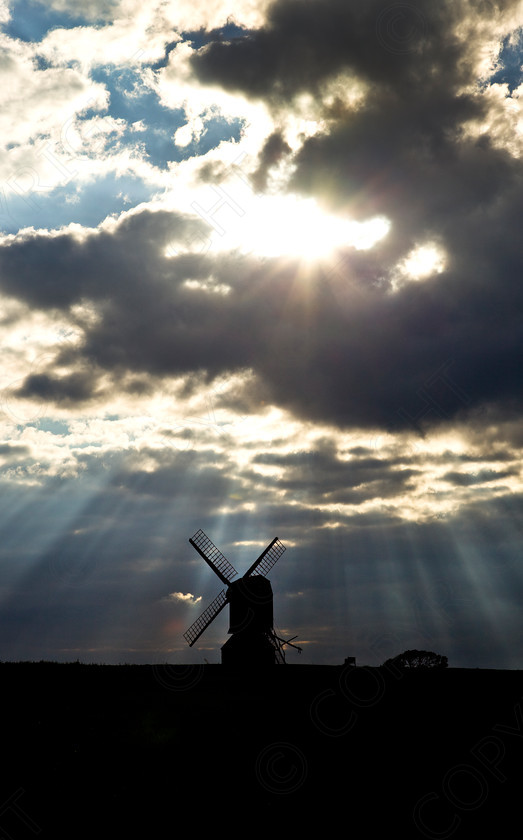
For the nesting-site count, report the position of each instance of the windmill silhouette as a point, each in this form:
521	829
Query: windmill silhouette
253	640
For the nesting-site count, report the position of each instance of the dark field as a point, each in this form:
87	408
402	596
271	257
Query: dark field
152	751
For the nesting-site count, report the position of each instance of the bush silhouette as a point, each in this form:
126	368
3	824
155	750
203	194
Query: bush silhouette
417	659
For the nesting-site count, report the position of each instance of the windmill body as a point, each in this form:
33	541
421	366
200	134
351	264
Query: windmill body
250	623
250	598
250	605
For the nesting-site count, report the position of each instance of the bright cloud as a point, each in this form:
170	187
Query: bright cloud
186	598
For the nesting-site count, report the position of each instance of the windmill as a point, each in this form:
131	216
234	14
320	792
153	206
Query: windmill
253	640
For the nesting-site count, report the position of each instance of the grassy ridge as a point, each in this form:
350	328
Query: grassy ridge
106	750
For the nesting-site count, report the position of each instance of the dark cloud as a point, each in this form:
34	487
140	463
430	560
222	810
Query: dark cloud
404	152
304	43
343	349
66	390
488	455
320	476
480	477
355	345
213	484
10	451
57	271
274	149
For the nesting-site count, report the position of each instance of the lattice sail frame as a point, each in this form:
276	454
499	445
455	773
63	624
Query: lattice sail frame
196	629
213	557
267	559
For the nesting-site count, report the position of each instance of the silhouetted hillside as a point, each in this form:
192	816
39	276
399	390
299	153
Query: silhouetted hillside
101	750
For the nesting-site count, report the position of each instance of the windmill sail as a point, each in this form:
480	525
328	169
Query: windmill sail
213	557
267	558
195	630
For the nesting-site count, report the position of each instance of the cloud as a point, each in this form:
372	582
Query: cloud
274	149
302	44
481	477
10	452
187	598
74	388
355	355
185	14
37	101
319	476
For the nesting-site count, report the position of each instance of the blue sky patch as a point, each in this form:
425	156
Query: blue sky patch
511	64
134	102
86	205
201	37
31	21
55	427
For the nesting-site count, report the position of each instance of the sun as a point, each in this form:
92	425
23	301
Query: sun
297	227
279	225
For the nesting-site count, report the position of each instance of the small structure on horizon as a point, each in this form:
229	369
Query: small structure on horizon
350	661
253	641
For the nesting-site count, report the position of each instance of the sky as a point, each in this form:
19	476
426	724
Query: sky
261	274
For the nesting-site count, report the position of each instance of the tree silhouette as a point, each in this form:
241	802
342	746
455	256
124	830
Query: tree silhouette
417	659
